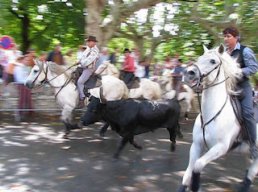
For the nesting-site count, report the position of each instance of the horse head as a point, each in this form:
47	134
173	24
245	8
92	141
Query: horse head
37	74
214	66
106	68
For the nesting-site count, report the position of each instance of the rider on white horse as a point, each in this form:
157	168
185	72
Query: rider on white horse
87	62
249	66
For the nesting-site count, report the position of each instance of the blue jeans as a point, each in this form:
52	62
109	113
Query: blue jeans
246	102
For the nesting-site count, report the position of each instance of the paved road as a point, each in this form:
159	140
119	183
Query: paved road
34	158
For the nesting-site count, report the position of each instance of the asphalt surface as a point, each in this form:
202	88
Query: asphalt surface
35	158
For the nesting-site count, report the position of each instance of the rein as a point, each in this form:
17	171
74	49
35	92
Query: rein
203	125
212	84
45	81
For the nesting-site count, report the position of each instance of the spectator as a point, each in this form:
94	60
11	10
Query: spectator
21	72
43	56
140	69
168	64
146	65
136	55
12	55
175	60
29	57
56	55
80	51
69	58
103	56
113	57
177	74
128	67
3	62
157	69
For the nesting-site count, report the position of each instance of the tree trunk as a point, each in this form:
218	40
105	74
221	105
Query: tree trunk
93	19
119	11
25	33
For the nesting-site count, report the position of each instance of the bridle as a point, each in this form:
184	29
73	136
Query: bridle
46	81
199	89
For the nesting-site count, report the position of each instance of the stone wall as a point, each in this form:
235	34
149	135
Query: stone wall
43	100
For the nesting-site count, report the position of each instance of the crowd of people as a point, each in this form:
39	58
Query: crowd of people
15	65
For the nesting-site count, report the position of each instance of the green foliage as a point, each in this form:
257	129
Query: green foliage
66	24
56	21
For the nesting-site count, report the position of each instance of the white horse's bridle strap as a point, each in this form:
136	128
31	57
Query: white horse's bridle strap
203	125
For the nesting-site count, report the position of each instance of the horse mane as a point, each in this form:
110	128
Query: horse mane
232	72
59	69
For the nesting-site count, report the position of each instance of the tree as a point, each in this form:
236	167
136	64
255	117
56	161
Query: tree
40	23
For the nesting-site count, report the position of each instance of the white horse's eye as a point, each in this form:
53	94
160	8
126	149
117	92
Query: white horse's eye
212	61
35	71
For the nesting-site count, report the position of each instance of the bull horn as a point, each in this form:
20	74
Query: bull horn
101	95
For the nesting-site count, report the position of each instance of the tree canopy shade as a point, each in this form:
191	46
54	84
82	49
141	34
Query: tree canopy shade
39	23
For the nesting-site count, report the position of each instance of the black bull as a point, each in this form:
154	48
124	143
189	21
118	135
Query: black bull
131	117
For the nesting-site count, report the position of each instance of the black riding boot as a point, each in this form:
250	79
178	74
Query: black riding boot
81	104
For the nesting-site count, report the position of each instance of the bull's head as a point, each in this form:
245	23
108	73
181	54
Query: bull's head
93	112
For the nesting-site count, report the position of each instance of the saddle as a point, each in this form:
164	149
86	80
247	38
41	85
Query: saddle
93	82
238	112
133	83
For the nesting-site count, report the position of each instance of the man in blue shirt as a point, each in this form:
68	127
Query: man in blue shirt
249	66
177	73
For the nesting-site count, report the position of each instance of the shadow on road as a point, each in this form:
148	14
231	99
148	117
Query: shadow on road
35	158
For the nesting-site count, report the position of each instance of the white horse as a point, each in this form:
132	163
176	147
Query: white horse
148	89
66	93
216	128
166	84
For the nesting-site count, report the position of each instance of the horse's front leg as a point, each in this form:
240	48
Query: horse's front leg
195	152
214	153
250	176
67	119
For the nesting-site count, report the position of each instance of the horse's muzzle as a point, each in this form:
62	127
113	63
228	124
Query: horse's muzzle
191	76
28	84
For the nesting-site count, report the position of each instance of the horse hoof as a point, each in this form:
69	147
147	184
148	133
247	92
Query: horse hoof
195	182
102	134
182	188
173	147
245	185
116	156
65	136
180	135
80	125
138	147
